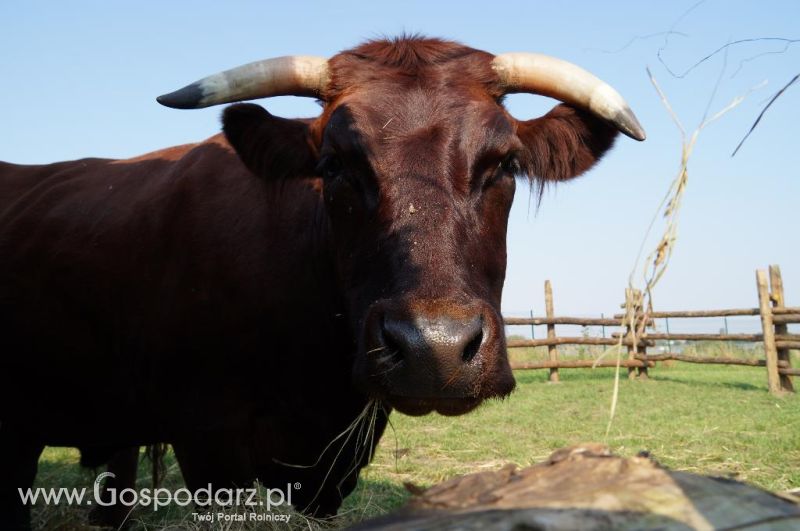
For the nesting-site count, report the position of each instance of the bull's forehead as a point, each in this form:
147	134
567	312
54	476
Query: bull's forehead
404	108
413	127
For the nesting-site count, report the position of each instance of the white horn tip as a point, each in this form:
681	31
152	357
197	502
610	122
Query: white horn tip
627	123
189	97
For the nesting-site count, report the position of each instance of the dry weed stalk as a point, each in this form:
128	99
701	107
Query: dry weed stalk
657	261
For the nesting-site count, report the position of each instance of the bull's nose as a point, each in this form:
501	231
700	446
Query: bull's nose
442	355
435	345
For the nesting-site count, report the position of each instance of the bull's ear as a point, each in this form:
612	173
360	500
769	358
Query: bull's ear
563	143
270	146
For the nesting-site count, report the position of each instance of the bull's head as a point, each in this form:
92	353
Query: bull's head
417	157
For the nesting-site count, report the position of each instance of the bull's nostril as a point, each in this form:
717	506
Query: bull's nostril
471	350
393	347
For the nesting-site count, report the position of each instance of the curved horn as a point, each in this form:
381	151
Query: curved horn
293	75
541	74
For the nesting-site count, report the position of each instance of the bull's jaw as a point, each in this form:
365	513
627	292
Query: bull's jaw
416	407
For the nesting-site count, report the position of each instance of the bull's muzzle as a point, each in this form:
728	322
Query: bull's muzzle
434	356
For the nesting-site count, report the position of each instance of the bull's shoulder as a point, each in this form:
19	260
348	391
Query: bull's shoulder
75	199
215	146
143	175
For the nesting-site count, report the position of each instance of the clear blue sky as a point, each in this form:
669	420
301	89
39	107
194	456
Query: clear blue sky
80	79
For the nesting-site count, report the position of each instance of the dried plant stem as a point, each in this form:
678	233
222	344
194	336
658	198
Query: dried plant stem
639	305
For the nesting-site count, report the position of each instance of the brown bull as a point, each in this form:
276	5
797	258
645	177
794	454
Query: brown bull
248	296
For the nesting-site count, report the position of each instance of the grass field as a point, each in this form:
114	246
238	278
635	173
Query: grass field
716	420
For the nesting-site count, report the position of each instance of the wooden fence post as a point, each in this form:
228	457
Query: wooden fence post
631	318
641	325
778	301
669	341
551	330
533	328
768	330
634	317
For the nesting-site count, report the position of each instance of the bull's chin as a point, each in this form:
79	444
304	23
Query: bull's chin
417	406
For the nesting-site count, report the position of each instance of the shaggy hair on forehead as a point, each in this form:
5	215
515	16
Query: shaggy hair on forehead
410	52
408	56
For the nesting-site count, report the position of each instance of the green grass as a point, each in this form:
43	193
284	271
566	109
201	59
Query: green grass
713	419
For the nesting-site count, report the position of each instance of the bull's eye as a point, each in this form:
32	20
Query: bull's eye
510	165
330	167
507	168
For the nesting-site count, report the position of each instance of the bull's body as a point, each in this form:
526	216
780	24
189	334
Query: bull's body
171	297
247	297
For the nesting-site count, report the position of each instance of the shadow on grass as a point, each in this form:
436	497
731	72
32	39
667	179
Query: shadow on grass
702	377
743	386
568	375
372	497
59	468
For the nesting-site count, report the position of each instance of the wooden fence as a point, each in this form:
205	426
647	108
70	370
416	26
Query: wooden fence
636	334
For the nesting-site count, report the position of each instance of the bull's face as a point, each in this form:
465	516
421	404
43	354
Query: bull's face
418	185
418	160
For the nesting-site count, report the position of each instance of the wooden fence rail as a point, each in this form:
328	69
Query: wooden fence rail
584	321
554	341
722	360
581	364
634	335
